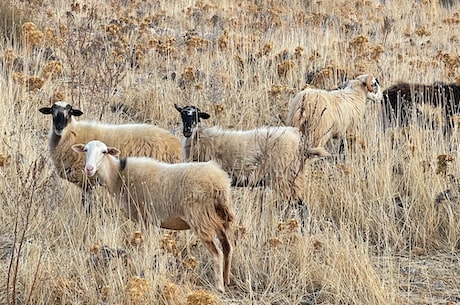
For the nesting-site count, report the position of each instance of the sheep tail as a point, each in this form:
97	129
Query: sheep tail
223	205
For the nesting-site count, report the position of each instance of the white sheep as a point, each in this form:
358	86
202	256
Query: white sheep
322	114
269	156
135	139
178	196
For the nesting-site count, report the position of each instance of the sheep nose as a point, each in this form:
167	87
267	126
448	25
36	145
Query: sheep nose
89	170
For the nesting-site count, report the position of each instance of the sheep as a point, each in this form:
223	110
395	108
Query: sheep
401	99
178	196
135	139
321	114
267	155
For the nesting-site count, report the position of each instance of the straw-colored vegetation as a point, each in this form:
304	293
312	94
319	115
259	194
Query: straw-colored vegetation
376	236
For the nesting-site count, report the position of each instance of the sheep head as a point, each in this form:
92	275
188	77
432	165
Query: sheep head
62	113
373	89
191	116
95	152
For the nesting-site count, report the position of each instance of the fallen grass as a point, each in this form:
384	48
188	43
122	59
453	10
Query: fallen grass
376	235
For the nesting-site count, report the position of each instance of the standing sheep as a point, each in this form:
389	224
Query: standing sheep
135	139
322	114
402	98
173	196
261	156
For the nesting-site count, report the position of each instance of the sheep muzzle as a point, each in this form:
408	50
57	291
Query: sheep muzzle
369	83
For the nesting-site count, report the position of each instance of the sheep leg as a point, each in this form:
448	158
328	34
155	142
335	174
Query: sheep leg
87	199
228	250
318	146
304	214
218	257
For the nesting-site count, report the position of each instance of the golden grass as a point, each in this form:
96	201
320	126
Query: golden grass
376	235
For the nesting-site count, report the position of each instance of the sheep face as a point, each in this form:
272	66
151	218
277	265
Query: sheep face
62	115
95	152
191	116
373	90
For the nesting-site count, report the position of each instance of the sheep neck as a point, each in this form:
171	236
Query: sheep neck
111	173
54	140
68	134
190	143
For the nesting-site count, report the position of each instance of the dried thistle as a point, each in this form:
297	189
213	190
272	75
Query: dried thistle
265	50
170	291
422	32
218	108
359	43
201	297
136	290
32	35
274	242
298	52
35	83
57	96
168	244
222	42
346	170
293	225
442	164
284	67
136	239
4	159
191	263
52	69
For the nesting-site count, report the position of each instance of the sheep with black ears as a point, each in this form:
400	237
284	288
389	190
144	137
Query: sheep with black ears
178	196
402	98
267	155
135	139
322	114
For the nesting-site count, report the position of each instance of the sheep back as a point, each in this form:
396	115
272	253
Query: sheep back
132	139
266	155
320	115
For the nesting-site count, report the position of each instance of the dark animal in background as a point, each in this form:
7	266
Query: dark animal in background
400	102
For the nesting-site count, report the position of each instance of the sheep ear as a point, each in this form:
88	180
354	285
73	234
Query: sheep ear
76	112
178	107
79	148
204	115
45	110
113	151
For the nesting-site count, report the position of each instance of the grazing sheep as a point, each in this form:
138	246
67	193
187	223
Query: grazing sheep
135	139
173	196
261	156
322	114
401	99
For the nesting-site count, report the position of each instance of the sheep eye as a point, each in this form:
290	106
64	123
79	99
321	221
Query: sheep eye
104	151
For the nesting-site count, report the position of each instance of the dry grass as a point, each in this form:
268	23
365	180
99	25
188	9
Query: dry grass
376	235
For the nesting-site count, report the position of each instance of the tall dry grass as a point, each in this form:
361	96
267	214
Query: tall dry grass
375	234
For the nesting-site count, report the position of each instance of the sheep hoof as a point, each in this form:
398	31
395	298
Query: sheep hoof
220	289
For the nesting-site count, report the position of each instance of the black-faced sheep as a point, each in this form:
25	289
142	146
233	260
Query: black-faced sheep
135	139
401	99
269	156
322	114
178	196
